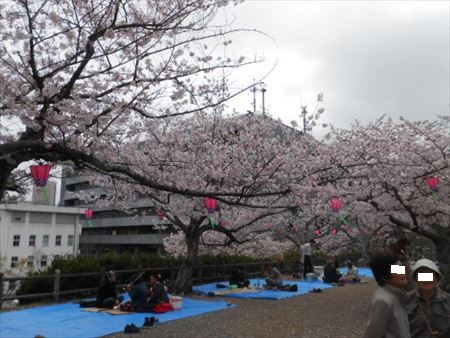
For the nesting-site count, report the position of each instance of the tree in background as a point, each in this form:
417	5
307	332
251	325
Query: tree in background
82	77
252	155
398	159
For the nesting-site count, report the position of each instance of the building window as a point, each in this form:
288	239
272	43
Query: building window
56	257
70	240
16	240
58	240
32	241
12	285
30	261
14	260
45	240
43	261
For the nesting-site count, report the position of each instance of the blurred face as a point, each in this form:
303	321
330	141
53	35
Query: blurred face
153	280
425	285
398	280
111	277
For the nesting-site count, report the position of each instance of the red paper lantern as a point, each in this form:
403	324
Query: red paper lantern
40	174
89	213
211	204
336	204
161	215
433	183
317	232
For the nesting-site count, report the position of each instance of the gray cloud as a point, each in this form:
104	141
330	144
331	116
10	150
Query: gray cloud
369	58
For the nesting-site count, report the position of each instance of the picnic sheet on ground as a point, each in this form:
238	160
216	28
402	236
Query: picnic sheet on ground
69	320
363	272
303	287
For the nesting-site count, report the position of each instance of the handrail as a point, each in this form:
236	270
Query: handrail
197	276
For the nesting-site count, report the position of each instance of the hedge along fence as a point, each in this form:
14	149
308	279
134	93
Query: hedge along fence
53	285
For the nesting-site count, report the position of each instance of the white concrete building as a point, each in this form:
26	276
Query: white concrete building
37	234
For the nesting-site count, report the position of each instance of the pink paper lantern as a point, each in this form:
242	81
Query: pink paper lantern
433	183
336	204
89	213
211	204
40	174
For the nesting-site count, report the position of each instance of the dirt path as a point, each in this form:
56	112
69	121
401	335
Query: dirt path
337	312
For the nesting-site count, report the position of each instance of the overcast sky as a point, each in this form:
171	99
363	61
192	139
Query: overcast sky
368	57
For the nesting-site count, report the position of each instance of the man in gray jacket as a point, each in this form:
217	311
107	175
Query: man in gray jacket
387	308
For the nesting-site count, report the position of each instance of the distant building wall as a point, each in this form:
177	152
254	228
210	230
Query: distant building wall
37	234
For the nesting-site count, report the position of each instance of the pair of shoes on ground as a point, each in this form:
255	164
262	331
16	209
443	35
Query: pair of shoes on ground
150	321
131	328
316	290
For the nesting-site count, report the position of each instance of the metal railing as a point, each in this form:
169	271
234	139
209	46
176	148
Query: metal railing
201	273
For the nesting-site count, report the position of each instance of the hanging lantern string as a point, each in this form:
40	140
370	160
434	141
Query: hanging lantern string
45	191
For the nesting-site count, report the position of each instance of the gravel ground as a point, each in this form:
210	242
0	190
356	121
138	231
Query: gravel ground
337	312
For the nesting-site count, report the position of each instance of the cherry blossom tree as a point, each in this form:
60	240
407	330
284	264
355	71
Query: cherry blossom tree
83	76
272	167
398	159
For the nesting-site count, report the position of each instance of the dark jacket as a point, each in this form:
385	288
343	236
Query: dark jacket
139	294
437	310
387	314
106	290
237	278
330	273
158	295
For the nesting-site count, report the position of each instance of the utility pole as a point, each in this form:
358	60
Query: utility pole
304	112
254	98
263	91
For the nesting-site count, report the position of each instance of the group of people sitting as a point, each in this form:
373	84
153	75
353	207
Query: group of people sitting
332	275
142	298
274	279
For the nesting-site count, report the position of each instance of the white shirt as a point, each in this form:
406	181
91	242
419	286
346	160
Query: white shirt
306	251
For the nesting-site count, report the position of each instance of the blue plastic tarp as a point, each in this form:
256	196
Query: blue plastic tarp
362	272
303	287
69	320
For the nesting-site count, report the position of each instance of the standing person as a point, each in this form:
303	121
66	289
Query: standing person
428	306
388	317
401	249
306	257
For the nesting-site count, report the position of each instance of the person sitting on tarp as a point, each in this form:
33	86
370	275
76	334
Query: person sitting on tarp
330	271
351	276
137	290
158	300
238	278
106	293
274	279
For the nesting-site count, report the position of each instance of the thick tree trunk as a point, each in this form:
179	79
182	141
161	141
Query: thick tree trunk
443	257
5	171
183	283
365	250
